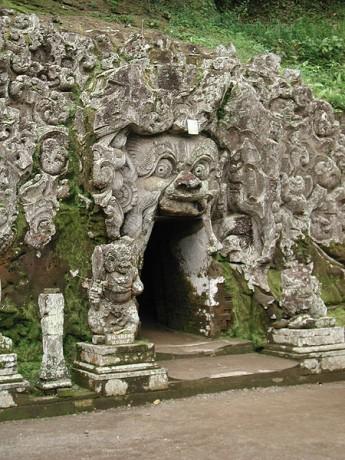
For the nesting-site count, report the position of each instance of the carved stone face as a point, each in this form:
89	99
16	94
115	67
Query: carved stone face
118	259
325	221
327	173
183	169
53	156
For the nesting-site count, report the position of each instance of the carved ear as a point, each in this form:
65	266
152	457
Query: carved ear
98	262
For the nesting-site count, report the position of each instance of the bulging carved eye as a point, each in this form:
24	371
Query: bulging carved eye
201	170
164	168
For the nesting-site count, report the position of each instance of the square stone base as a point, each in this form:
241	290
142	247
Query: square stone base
14	382
11	381
114	370
52	385
6	400
317	350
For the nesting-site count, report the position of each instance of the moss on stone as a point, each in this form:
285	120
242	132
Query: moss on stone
339	314
26	272
79	228
221	112
249	320
329	273
274	282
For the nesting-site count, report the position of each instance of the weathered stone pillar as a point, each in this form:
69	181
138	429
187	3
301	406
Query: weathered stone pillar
10	381
54	373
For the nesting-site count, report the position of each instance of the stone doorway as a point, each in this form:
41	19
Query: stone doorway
178	288
166	289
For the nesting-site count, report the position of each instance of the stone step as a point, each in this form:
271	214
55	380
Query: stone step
187	377
227	366
170	344
200	349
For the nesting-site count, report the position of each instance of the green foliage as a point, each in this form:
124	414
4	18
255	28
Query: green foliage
22	325
126	19
113	4
307	35
29	369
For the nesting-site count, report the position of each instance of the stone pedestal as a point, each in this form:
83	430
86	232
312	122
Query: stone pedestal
317	349
54	373
10	380
114	370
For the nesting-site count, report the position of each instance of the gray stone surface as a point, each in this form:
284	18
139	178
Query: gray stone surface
6	400
8	364
11	382
112	290
6	344
116	370
308	337
218	367
170	344
318	350
166	130
53	372
266	168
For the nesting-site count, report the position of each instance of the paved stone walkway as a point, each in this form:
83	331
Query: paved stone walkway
289	423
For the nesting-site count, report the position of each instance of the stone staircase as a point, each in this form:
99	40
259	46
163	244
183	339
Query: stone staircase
195	365
189	357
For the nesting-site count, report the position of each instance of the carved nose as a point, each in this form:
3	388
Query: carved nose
187	181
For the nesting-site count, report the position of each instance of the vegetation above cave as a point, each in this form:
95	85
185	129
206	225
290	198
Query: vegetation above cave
309	35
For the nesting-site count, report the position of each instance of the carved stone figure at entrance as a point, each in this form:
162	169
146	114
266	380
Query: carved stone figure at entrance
113	316
301	302
172	176
169	174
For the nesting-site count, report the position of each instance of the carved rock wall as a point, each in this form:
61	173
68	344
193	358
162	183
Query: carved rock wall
94	128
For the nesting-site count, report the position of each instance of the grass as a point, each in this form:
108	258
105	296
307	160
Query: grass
309	35
312	40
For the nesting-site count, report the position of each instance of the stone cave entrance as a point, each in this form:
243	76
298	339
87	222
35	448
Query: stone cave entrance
173	253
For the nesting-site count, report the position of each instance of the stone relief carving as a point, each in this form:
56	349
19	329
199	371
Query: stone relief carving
266	170
177	177
39	195
113	316
301	301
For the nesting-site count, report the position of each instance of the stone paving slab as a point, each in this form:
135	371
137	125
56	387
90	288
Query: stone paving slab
225	366
171	344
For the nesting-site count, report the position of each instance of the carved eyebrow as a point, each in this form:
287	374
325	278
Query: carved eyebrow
164	148
203	157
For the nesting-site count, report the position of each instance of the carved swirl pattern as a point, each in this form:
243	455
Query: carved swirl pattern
267	169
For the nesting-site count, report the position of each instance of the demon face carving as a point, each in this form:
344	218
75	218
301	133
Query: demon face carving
176	176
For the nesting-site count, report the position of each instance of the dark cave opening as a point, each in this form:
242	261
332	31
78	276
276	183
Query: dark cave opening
166	297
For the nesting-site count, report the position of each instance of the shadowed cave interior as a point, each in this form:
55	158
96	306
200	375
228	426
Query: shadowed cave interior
167	299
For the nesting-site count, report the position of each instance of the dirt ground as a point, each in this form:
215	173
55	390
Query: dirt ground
302	422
